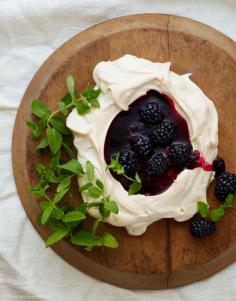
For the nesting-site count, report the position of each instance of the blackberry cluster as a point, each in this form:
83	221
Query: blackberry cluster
128	161
225	184
163	134
141	145
151	114
157	165
201	227
180	153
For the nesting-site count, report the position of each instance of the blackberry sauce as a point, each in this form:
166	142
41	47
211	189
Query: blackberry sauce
127	124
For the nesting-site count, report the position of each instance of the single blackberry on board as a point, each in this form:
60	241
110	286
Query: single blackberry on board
163	134
218	166
201	227
128	161
157	165
225	184
151	114
180	153
141	145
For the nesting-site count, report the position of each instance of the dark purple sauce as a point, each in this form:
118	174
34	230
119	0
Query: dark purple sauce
127	124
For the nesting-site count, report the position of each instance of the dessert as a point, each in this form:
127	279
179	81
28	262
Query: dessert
169	131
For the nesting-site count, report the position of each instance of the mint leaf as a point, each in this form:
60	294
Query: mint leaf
43	122
59	124
89	170
217	214
137	178
116	166
31	125
85	239
71	86
55	161
73	216
99	184
43	144
57	214
68	150
134	188
203	209
57	235
36	131
91	95
40	189
73	166
47	175
66	99
39	109
82	108
51	177
44	204
64	184
229	201
95	225
111	206
94	192
59	195
54	140
82	208
41	169
46	214
108	240
85	186
103	211
63	109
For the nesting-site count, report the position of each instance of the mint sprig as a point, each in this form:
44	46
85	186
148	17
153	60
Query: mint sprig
55	179
215	214
116	167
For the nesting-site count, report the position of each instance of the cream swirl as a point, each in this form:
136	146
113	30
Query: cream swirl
122	81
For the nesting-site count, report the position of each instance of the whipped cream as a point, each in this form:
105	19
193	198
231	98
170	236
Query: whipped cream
123	81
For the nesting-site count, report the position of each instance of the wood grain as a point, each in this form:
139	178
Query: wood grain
166	255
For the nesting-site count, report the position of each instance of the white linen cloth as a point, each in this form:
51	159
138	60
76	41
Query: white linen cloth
29	32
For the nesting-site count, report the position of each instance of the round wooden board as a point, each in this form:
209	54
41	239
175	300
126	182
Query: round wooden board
166	255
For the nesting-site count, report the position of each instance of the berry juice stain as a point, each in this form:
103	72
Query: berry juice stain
128	124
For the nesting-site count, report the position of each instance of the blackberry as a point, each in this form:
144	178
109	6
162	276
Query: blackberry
218	166
180	153
225	184
151	114
192	162
163	134
201	227
128	161
157	164
140	145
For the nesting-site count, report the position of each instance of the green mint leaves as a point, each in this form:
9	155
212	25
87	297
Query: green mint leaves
56	178
87	99
72	166
57	235
116	167
39	109
95	190
203	209
54	139
215	214
87	239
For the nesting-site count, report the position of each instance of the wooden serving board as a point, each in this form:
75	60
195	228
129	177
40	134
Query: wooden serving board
166	255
